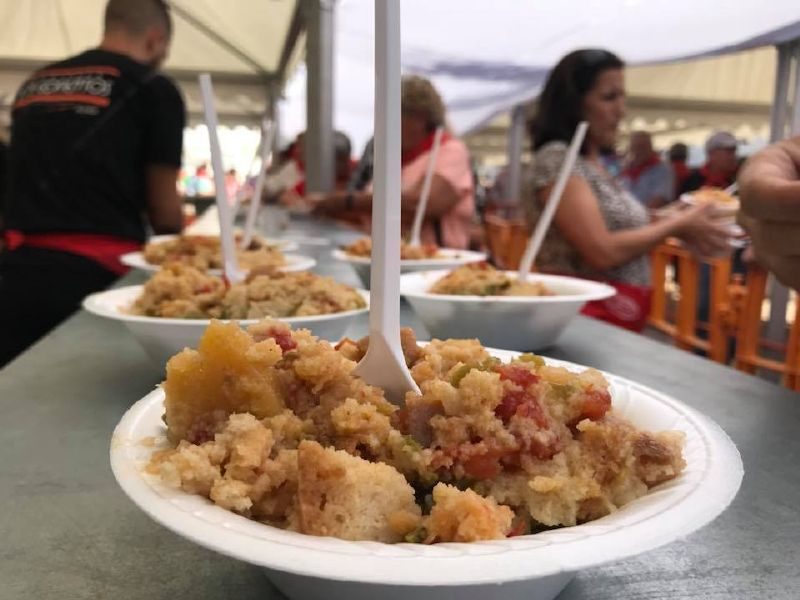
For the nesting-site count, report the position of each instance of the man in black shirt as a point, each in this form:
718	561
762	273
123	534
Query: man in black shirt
95	150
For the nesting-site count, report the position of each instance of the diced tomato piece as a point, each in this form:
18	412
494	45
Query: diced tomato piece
516	374
544	451
531	409
508	405
523	404
282	337
484	466
596	403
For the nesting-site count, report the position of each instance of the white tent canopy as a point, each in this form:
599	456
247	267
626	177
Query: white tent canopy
486	57
679	102
245	44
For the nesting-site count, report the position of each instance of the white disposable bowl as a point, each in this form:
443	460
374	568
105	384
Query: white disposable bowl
164	337
449	258
294	262
721	209
283	245
514	322
532	567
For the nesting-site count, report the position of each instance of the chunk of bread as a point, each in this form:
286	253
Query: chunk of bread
228	373
347	497
464	516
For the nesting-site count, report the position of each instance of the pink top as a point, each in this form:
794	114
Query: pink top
452	164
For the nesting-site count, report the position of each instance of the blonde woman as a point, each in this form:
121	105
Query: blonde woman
451	204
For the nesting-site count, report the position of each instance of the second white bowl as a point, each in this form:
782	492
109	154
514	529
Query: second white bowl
162	337
449	258
513	322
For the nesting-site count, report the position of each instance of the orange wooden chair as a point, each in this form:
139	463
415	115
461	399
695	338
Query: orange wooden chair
683	328
749	344
506	240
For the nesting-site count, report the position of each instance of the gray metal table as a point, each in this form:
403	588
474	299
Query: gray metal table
67	531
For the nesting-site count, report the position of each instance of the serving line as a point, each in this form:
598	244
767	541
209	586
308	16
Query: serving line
69	532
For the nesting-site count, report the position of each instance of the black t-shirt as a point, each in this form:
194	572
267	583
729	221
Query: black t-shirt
83	131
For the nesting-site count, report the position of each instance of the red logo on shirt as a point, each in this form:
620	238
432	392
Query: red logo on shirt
78	85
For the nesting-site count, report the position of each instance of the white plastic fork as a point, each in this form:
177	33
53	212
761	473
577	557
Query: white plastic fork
230	262
384	365
419	215
267	134
549	211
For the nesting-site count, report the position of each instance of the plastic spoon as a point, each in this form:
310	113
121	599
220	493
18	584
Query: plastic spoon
416	229
230	263
384	365
267	131
535	243
732	188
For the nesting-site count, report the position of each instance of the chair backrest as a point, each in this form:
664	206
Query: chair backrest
683	328
748	339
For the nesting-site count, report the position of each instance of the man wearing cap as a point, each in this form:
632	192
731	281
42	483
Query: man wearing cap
719	171
721	164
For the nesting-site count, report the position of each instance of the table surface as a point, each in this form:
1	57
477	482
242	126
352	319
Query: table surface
68	531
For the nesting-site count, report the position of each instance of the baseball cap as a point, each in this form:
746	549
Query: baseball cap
721	140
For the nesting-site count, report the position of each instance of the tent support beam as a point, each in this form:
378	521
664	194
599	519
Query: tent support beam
516	134
296	28
788	60
319	143
209	32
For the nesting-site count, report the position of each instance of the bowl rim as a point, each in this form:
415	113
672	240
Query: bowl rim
452	256
594	290
288	245
95	304
294	262
454	564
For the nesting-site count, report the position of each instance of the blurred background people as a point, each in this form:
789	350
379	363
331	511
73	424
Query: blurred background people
343	169
94	156
451	204
646	175
769	188
678	157
719	170
600	231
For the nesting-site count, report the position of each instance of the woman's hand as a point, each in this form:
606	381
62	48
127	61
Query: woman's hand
702	231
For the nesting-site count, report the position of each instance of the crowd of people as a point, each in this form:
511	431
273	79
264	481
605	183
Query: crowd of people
92	167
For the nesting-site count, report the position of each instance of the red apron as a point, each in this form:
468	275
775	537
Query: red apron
628	308
102	249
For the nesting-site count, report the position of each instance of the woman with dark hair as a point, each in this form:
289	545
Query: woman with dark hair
600	231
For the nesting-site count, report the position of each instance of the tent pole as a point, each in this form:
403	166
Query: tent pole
319	144
273	95
779	100
788	58
515	136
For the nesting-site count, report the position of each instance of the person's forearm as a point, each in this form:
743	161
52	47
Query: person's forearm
620	247
338	202
441	199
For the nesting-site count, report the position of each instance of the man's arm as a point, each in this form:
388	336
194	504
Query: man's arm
163	148
164	205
